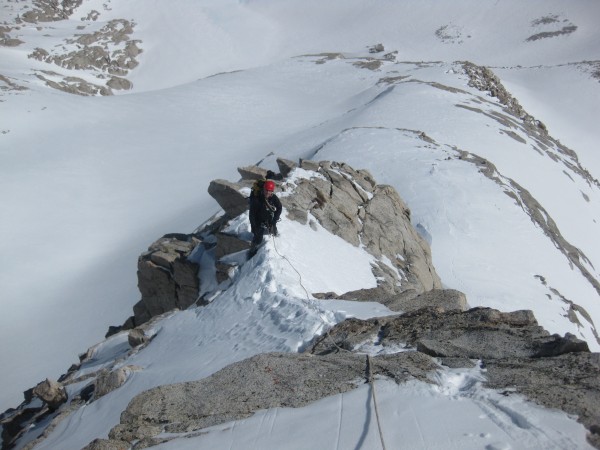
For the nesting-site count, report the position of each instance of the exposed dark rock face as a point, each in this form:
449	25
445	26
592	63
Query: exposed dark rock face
167	279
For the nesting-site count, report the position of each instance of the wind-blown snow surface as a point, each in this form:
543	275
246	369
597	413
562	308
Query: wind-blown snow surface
458	415
87	183
268	309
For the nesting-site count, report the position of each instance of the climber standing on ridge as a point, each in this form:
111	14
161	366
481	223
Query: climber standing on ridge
265	209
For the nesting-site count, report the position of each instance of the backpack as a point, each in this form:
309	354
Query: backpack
259	184
257	187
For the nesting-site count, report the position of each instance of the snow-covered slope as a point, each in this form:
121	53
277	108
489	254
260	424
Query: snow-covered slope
86	183
268	309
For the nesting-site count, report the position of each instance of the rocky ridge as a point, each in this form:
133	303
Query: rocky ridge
515	355
436	331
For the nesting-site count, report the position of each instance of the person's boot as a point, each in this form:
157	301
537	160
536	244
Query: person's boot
253	249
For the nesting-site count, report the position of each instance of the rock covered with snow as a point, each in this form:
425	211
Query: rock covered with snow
265	381
349	203
511	348
570	382
182	270
346	202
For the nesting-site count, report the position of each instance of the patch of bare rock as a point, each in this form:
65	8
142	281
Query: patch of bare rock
109	51
517	355
50	10
104	56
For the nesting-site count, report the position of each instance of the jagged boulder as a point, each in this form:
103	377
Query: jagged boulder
137	337
229	197
167	278
252	172
285	166
109	380
51	392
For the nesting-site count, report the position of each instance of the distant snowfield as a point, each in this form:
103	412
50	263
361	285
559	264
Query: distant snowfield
86	184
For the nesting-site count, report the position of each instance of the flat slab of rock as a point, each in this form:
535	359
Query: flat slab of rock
479	333
265	381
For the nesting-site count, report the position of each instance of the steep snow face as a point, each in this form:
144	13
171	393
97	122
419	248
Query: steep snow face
266	309
86	183
509	267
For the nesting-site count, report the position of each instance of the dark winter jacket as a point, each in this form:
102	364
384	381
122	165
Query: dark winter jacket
264	211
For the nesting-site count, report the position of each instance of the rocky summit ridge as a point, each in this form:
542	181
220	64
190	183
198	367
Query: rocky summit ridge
436	328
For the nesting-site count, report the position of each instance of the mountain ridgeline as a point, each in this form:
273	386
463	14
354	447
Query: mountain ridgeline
434	326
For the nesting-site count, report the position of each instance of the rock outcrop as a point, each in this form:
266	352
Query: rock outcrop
167	278
510	347
265	381
346	202
51	393
350	204
479	333
85	63
436	330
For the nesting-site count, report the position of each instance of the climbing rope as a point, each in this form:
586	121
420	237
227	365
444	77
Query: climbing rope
370	378
374	396
292	266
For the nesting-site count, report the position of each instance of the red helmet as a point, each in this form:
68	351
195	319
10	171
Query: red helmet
269	186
